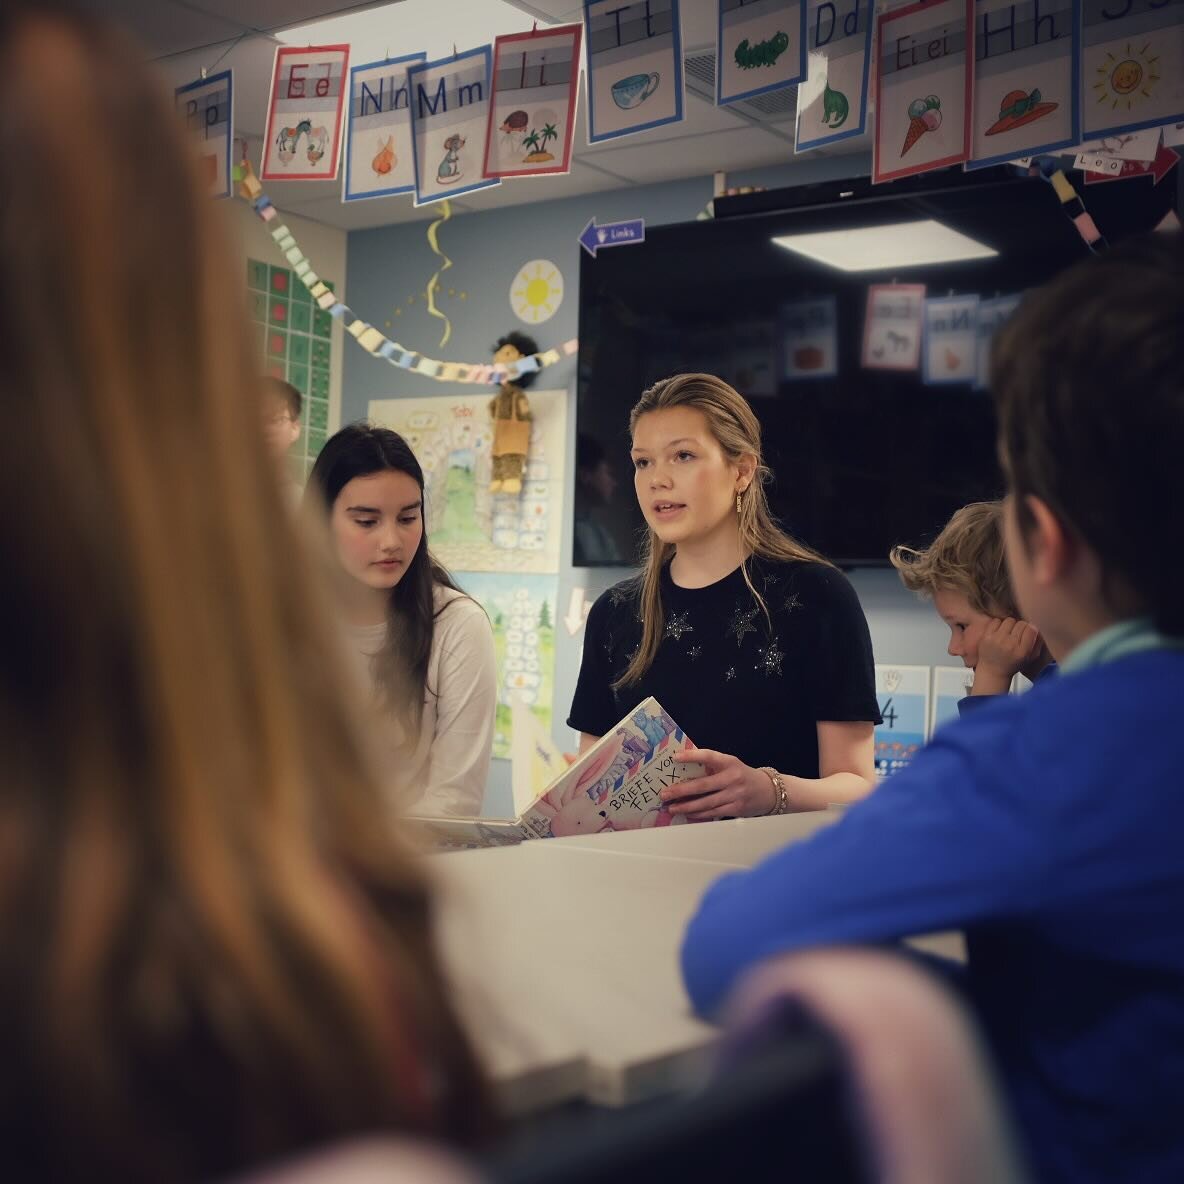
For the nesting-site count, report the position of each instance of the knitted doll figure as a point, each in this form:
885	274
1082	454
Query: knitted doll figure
510	411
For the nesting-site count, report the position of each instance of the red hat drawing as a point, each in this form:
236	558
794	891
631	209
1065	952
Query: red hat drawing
1019	108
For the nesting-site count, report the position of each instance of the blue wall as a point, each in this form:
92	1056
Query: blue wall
388	265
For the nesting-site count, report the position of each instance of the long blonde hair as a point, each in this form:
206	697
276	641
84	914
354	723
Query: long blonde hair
211	952
737	431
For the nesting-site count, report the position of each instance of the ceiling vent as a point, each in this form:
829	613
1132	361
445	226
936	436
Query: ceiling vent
774	106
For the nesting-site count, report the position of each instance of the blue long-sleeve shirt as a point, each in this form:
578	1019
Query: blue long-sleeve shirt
1049	827
970	703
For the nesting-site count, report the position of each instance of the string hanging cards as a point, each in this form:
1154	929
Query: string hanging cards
371	339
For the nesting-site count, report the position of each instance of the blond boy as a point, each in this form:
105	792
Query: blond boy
964	573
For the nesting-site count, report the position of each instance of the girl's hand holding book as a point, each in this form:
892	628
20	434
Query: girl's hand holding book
728	789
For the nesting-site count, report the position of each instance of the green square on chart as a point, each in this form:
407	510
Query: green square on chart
300	317
299	352
257	306
256	275
316	440
300	293
297	374
322	323
281	281
320	352
319	386
318	413
260	332
277	344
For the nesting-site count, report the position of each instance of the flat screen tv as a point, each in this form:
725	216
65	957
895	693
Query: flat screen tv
864	456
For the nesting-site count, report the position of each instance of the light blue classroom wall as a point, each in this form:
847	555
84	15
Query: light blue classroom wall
387	266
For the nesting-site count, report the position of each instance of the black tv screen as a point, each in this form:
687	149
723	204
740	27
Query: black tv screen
864	457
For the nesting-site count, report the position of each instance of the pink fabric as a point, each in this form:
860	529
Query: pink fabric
369	1161
929	1106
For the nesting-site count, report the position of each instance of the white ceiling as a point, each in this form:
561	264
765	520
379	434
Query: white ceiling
186	35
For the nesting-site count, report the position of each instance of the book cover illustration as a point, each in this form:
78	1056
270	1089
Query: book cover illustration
615	785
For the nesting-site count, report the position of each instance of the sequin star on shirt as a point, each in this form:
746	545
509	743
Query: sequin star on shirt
619	594
678	624
742	622
769	659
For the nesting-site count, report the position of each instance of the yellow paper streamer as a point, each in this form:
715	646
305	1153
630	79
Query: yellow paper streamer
433	283
1062	186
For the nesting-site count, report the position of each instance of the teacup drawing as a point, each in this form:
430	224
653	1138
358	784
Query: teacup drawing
634	90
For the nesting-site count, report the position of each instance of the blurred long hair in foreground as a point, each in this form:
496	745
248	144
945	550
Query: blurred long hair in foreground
210	954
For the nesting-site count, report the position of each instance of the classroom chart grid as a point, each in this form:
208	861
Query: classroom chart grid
293	336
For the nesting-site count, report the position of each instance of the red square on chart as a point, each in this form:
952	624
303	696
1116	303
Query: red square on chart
279	312
275	344
276	370
279	281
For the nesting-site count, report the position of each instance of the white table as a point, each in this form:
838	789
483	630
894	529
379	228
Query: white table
565	965
736	842
563	955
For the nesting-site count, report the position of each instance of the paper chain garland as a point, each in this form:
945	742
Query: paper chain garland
1049	168
372	340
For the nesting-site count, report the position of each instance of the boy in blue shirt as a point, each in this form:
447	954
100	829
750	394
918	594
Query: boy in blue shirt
964	573
1048	828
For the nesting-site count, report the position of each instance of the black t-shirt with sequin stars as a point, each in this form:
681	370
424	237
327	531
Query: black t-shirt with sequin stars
730	681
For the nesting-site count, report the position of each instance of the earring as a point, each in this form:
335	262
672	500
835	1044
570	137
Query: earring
737	501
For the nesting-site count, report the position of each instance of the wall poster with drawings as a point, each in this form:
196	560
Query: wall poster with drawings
470	528
521	609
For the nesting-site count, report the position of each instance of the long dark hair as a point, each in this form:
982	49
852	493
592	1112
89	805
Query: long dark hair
401	667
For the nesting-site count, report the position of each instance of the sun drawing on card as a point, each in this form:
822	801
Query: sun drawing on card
1123	80
537	291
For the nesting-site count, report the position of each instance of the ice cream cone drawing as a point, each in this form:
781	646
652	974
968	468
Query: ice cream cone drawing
924	116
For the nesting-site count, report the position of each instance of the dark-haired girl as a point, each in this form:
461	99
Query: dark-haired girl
426	646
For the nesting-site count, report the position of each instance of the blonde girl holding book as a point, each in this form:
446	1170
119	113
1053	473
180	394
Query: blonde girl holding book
755	644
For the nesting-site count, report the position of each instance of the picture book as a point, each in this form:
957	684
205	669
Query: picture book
615	785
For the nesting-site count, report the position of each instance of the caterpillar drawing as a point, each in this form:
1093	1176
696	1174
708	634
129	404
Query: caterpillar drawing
763	53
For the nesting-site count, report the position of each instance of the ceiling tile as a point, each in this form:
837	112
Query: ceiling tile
743	149
267	15
700	119
365	215
164	27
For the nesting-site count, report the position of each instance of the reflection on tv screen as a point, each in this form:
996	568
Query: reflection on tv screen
859	330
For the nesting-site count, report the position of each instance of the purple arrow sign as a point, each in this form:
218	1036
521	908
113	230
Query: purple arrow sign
611	234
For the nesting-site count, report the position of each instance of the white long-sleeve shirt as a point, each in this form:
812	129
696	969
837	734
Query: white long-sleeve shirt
445	771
